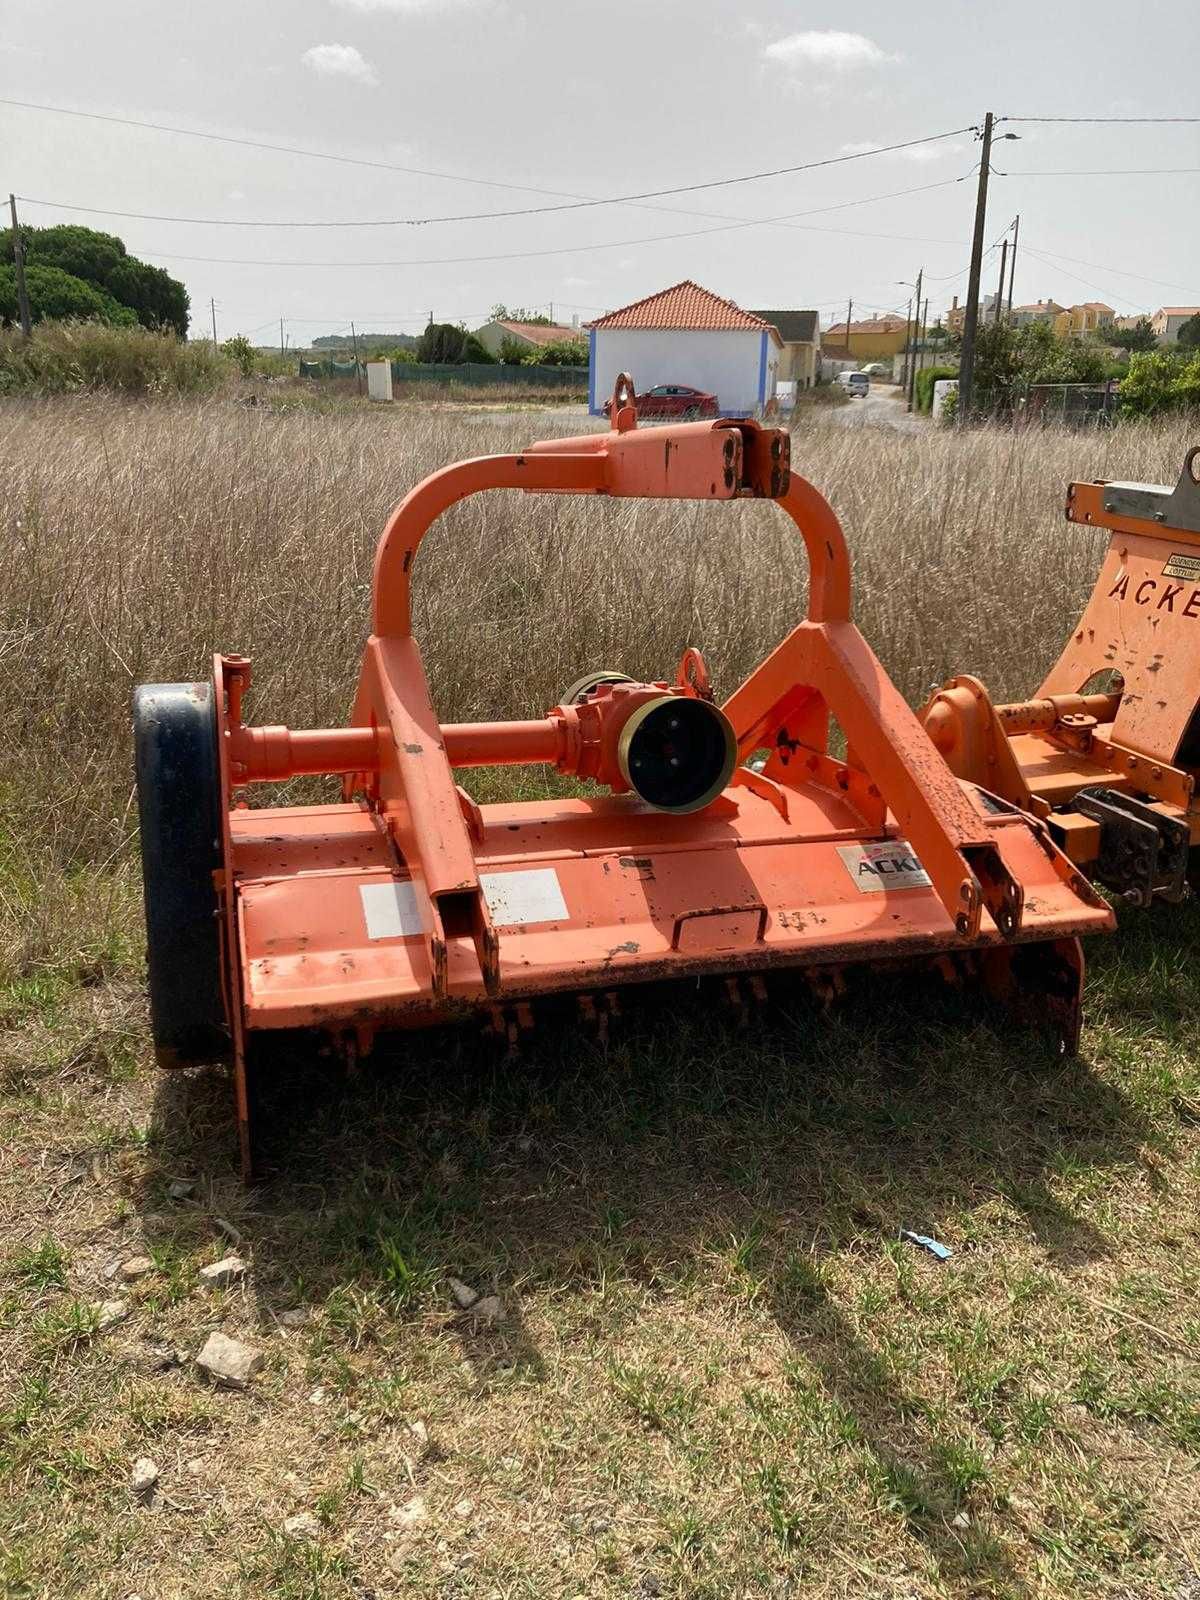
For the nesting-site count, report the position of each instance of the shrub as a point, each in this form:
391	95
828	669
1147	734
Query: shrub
1160	381
562	353
63	356
241	352
926	378
474	351
513	351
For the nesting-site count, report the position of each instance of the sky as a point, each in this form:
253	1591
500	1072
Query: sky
440	108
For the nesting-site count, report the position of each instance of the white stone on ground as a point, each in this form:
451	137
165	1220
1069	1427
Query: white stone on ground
228	1361
219	1274
302	1526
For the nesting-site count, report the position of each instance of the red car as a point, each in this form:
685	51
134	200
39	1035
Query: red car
674	400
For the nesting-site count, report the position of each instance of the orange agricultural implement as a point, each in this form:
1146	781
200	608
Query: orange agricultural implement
1107	753
732	844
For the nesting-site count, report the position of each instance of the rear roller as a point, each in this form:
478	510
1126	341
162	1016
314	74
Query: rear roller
178	788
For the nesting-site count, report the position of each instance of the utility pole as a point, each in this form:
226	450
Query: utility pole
212	305
921	346
1012	265
912	355
966	363
357	373
19	266
849	313
282	341
1000	291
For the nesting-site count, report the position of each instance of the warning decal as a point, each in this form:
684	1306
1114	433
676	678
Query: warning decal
877	868
1182	565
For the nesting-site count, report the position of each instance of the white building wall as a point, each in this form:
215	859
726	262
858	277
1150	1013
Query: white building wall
727	364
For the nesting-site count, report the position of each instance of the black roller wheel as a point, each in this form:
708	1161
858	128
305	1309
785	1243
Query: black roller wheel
178	787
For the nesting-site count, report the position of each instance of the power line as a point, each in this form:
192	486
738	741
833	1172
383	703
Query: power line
1080	172
232	222
1079	278
571	203
283	149
529	255
786	220
1162	283
1098	119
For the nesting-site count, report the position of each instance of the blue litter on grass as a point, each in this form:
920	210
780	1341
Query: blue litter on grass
942	1251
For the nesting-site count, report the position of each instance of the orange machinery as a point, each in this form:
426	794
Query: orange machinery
405	904
1107	752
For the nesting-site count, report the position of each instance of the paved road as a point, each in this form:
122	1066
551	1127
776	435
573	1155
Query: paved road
882	408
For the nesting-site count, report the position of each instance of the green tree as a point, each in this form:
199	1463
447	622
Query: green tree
1140	337
442	342
101	260
56	296
1188	337
1007	358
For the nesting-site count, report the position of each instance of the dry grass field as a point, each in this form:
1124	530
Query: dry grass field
719	1372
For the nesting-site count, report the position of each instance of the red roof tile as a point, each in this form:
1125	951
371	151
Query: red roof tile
684	305
541	332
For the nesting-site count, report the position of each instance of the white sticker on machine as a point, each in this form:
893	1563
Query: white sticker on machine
513	898
516	898
390	909
876	868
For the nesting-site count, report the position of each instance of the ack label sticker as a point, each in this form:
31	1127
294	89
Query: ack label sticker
1182	565
877	868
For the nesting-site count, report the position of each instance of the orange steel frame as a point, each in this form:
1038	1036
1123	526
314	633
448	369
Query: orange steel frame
1139	732
751	882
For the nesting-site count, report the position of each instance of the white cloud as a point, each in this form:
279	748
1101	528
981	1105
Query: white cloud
827	48
339	61
919	154
414	8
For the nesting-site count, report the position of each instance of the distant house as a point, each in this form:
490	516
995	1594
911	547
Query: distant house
835	358
1168	320
1086	318
686	334
533	335
874	339
801	335
1040	311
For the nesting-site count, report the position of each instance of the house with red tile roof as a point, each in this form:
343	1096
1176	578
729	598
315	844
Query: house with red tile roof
686	334
1168	320
532	335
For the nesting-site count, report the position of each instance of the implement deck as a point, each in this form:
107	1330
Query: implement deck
587	894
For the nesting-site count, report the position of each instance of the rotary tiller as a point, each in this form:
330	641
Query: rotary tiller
1107	753
406	904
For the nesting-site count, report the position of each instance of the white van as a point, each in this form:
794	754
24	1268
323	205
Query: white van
858	383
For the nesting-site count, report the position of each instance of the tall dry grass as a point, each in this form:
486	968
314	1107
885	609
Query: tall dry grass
137	538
